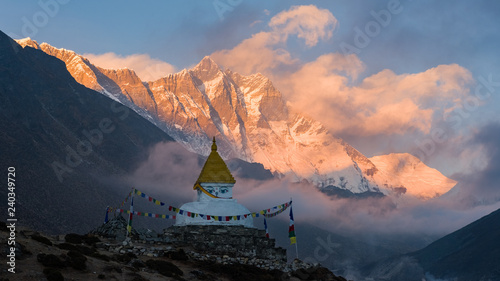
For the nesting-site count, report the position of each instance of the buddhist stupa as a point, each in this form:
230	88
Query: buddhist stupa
214	189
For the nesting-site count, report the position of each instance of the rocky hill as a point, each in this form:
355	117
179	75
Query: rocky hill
90	257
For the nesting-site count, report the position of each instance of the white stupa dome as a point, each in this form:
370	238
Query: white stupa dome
214	202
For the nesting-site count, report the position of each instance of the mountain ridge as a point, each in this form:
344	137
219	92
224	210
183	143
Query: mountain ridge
469	253
63	140
250	118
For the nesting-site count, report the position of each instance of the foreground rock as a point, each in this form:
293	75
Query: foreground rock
88	257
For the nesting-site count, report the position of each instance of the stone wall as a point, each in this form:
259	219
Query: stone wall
207	243
233	241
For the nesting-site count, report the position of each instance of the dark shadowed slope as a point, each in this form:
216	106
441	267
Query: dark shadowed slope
470	253
64	140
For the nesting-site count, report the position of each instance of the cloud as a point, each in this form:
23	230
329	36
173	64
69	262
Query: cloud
147	68
480	186
367	216
307	22
384	103
170	171
255	54
255	22
265	50
327	88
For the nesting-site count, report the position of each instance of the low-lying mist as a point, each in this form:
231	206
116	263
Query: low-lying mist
344	234
170	172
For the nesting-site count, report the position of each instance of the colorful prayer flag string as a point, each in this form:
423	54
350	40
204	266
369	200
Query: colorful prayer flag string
126	199
149	198
144	214
267	213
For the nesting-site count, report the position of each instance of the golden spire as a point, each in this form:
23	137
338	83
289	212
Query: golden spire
214	170
214	146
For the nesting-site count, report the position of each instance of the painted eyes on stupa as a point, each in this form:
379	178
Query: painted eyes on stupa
216	190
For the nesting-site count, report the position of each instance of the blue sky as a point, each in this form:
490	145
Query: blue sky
420	36
424	34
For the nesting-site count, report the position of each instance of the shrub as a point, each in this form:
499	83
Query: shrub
164	267
41	239
53	274
77	260
73	238
50	260
178	255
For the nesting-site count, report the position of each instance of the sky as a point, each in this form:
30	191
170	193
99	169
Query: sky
419	77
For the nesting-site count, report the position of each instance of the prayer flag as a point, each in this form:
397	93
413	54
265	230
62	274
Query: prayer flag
265	226
291	229
106	217
129	226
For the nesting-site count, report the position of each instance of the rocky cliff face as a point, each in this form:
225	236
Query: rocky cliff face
250	117
247	114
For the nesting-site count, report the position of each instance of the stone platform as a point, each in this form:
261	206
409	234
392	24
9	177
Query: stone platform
233	241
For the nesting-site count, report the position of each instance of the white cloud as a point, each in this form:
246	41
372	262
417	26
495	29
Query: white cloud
307	22
384	103
372	215
170	171
265	50
255	54
147	68
327	89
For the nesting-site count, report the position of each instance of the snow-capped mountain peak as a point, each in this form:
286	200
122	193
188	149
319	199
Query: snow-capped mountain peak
28	42
253	122
410	175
